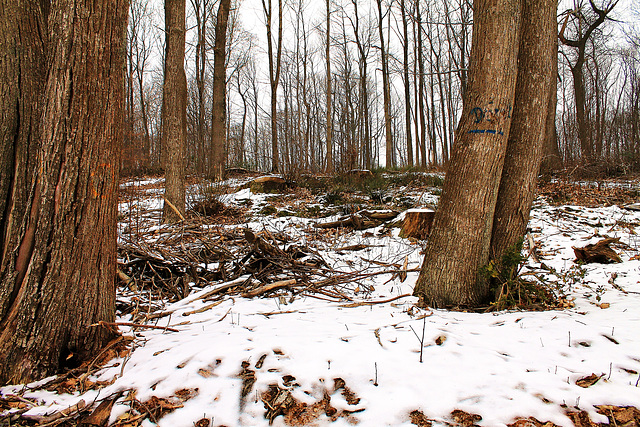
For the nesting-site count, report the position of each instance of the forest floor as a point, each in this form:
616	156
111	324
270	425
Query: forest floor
248	313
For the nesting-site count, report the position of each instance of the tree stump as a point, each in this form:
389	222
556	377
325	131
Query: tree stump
417	223
268	184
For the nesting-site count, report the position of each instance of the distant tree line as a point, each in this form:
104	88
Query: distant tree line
362	84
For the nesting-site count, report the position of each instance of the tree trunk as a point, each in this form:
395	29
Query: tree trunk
201	14
385	91
60	278
579	92
407	84
218	123
330	167
274	77
421	89
528	128
174	111
458	245
552	159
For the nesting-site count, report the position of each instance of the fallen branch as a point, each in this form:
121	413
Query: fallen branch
173	207
270	287
357	247
45	420
363	303
203	309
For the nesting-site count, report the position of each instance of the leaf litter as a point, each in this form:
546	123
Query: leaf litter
280	322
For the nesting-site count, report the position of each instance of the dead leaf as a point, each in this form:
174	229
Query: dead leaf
620	415
531	422
419	419
203	422
589	380
465	419
581	419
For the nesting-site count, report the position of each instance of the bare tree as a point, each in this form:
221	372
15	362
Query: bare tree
329	167
139	51
420	84
584	28
174	111
407	82
219	116
275	59
202	13
384	59
363	39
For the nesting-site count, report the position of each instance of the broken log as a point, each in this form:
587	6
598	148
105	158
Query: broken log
353	221
598	253
417	223
380	215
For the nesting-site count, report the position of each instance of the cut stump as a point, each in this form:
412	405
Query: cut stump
268	184
417	223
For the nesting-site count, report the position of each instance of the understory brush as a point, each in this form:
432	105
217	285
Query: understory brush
516	288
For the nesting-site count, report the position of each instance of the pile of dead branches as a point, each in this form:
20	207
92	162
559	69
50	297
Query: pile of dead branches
167	264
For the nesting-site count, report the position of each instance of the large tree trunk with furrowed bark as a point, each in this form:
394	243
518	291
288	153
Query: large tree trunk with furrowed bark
174	111
23	40
59	259
458	245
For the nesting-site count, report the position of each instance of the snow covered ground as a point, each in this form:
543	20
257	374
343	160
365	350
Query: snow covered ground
394	357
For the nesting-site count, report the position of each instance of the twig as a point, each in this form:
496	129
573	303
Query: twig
225	315
424	327
135	325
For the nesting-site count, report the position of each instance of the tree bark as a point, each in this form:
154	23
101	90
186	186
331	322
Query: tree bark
174	111
23	41
219	130
60	277
528	128
458	245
